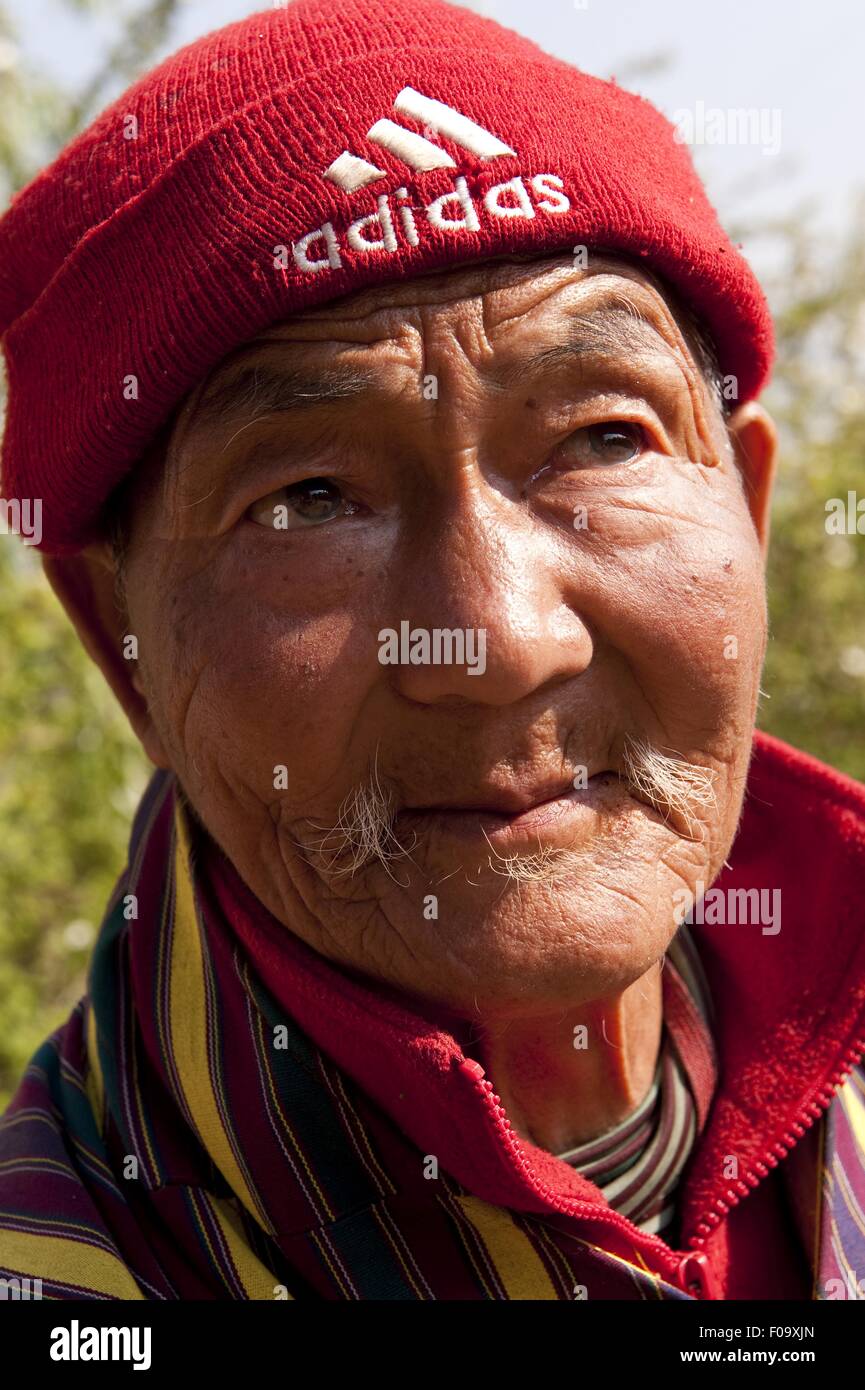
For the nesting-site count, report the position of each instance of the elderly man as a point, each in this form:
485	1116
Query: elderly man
390	391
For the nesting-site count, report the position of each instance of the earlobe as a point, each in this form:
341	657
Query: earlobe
755	444
85	585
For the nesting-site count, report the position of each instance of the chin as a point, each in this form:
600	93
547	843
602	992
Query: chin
536	949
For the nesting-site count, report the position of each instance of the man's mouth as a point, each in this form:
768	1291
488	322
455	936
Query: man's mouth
515	820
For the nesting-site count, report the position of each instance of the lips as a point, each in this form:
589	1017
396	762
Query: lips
505	801
508	817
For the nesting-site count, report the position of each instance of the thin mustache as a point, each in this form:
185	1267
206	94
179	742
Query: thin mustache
363	832
676	788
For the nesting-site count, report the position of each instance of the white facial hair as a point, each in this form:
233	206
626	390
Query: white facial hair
363	832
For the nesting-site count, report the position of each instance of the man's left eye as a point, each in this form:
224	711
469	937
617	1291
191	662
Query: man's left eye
309	502
615	441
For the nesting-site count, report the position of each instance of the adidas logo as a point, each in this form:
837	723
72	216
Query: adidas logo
391	226
351	172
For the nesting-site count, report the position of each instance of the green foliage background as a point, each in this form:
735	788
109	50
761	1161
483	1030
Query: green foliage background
70	770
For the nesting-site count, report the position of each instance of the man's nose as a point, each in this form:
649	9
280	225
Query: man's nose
477	611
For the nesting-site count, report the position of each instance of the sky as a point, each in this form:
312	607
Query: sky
795	64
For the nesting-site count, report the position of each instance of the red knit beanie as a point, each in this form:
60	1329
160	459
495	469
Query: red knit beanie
295	157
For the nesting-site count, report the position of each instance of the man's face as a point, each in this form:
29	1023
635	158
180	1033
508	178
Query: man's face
526	454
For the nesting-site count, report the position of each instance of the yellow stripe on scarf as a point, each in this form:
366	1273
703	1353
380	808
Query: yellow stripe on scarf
517	1263
70	1262
93	1083
257	1280
854	1108
188	1014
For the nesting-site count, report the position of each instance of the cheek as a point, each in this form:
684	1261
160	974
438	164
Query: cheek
677	591
706	617
245	685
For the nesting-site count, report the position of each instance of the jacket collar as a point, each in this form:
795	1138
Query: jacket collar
791	1006
790	1013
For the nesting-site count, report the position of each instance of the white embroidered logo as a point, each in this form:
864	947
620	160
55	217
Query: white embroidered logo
351	172
386	229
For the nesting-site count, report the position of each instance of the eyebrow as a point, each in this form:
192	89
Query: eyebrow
615	331
264	388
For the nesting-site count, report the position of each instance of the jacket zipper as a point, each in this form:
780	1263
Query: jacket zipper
475	1072
779	1150
689	1270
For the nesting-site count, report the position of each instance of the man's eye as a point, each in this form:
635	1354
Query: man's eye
307	503
615	441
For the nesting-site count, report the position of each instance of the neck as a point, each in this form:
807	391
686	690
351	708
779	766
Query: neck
558	1094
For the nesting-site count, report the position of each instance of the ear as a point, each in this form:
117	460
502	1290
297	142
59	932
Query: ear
85	585
755	445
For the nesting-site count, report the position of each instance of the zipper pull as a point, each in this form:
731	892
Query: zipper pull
469	1067
695	1276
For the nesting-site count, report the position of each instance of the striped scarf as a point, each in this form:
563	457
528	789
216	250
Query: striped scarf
638	1163
187	1135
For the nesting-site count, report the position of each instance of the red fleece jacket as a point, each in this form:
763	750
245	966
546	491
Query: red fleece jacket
790	1026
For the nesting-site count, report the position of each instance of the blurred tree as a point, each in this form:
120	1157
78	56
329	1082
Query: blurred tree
70	776
71	772
815	668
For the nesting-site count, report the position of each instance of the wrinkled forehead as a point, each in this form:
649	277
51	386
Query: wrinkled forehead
508	304
512	282
508	294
